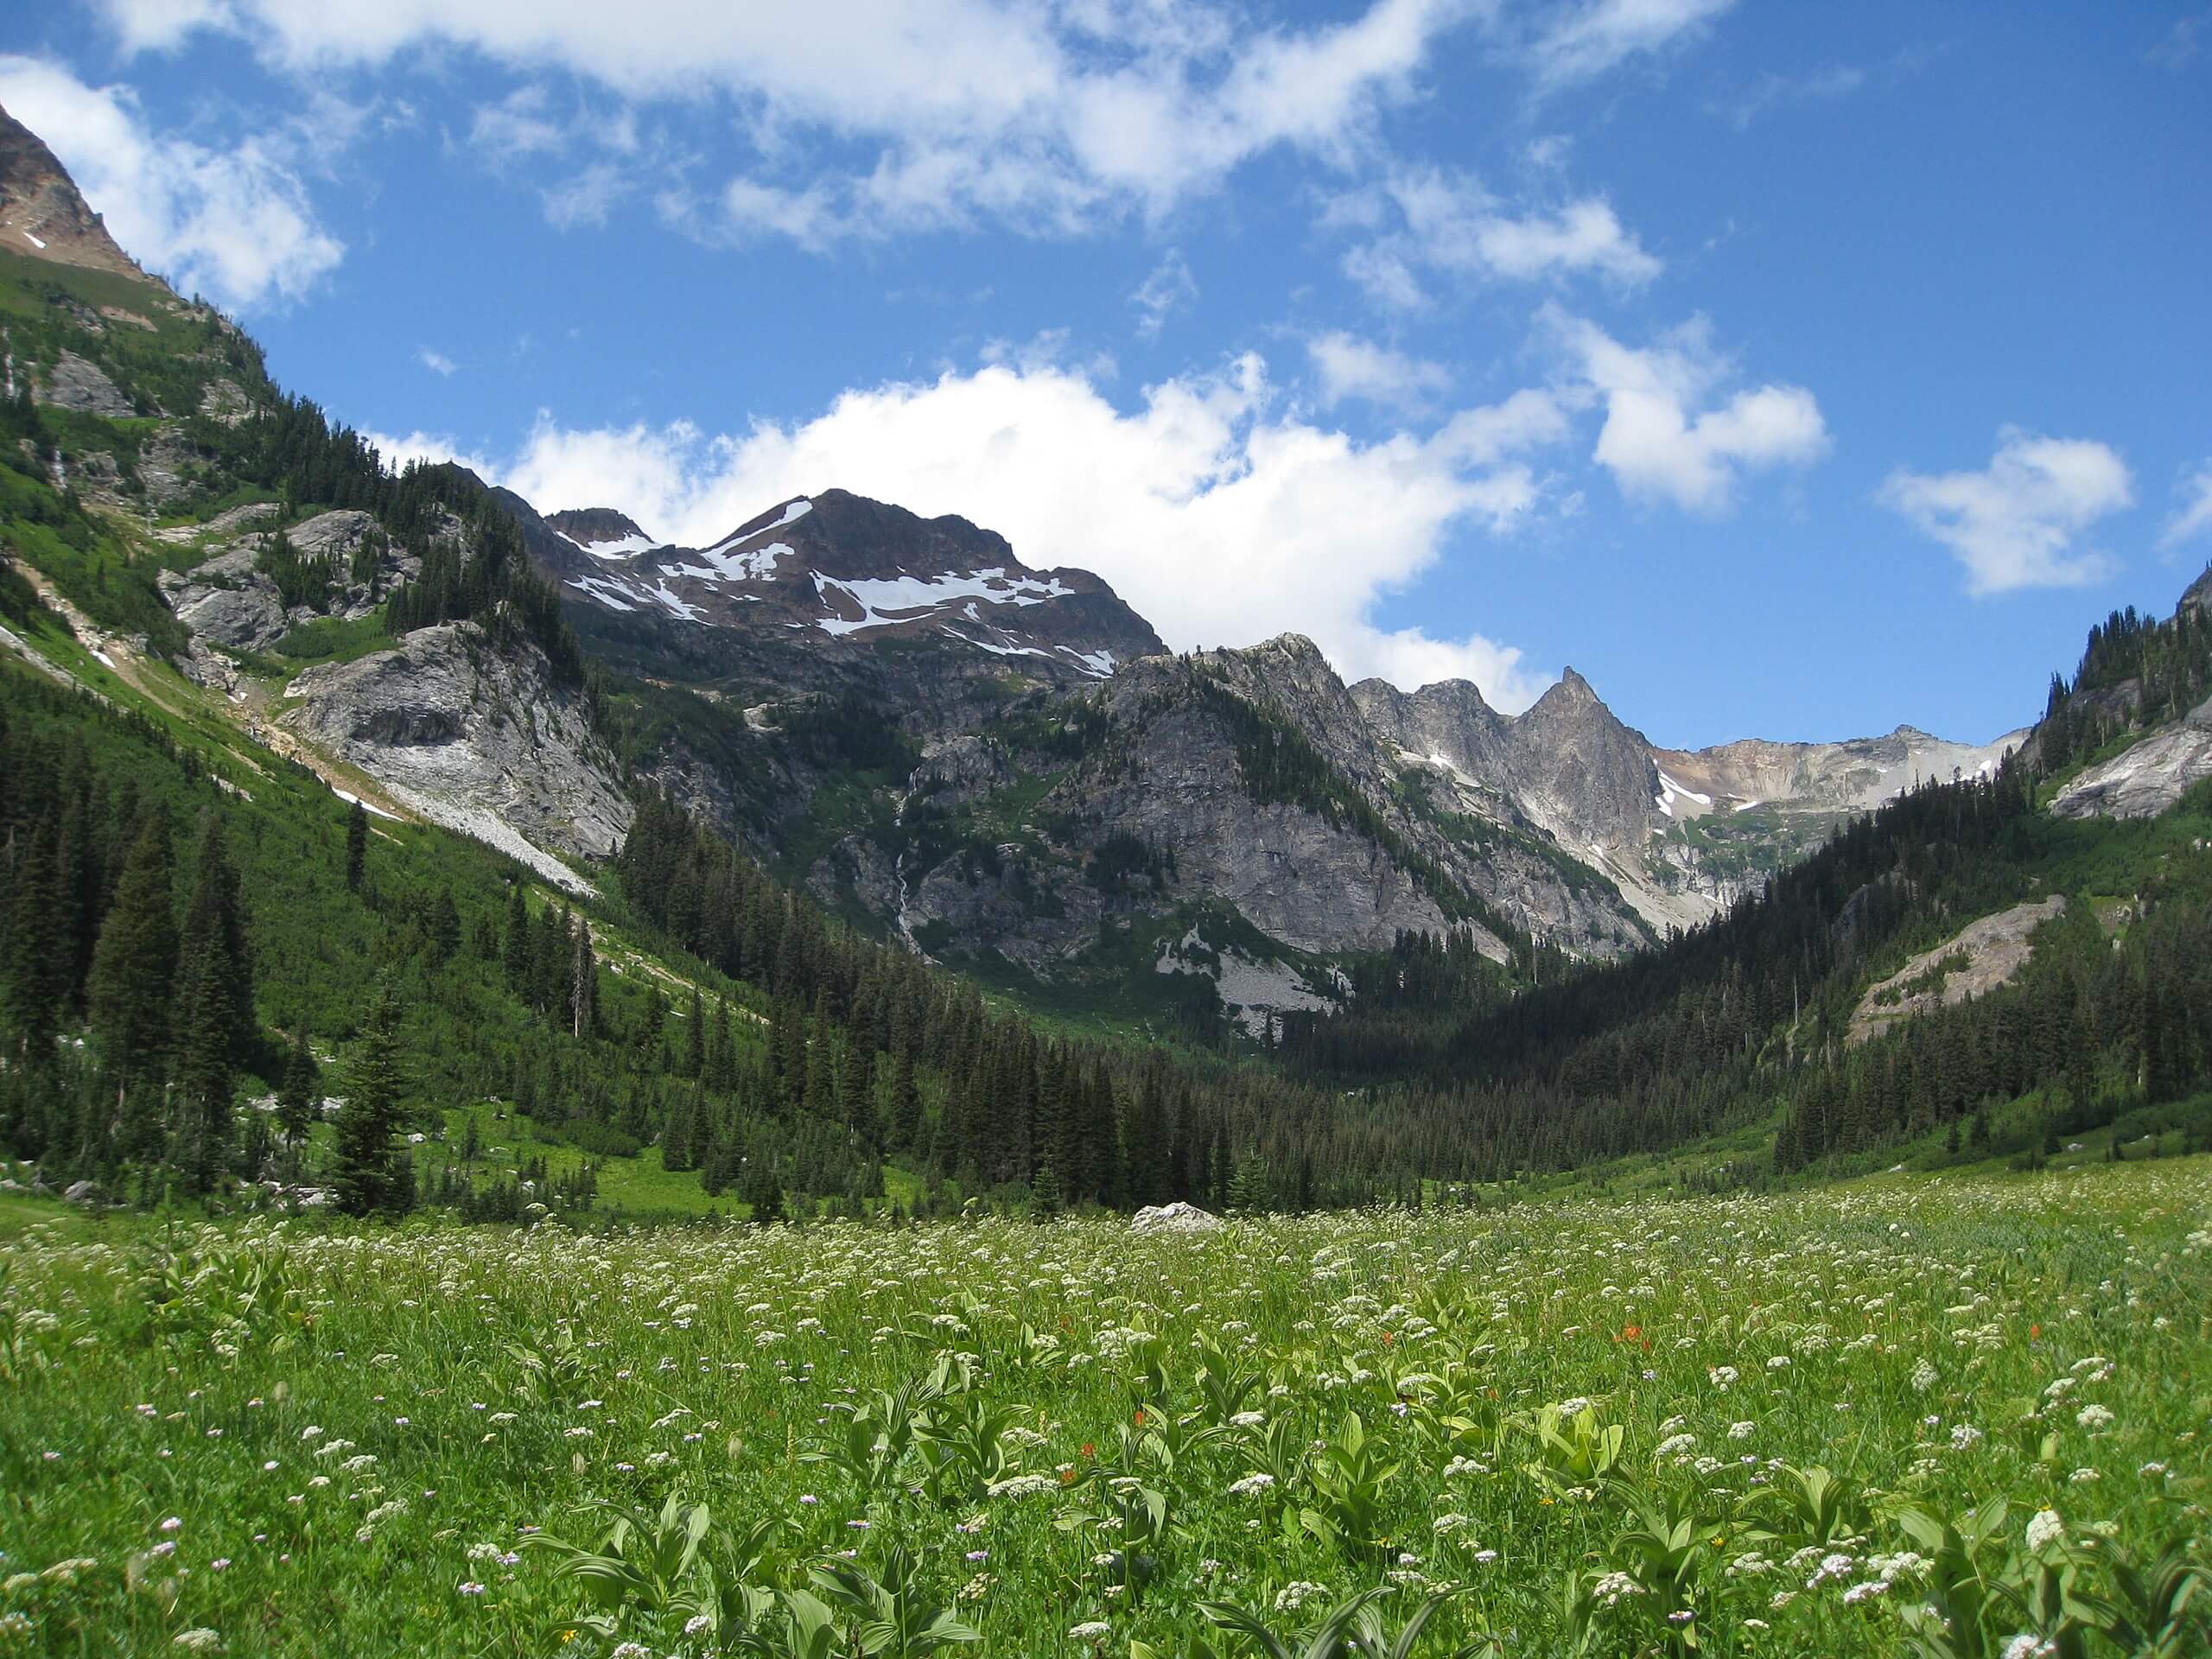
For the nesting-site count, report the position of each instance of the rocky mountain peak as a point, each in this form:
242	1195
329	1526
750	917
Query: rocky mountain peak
602	531
43	215
2199	595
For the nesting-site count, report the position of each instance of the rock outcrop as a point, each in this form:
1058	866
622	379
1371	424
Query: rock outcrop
1982	957
470	737
2147	777
1176	1217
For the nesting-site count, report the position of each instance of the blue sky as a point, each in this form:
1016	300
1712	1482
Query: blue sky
1789	371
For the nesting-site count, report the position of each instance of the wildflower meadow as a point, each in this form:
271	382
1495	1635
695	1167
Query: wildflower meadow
1960	1417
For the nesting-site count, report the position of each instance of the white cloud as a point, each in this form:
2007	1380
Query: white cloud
1349	367
234	223
1772	91
2194	517
587	198
2015	523
1588	40
1045	116
436	362
1451	225
1168	289
1663	436
515	127
1222	519
2182	43
399	453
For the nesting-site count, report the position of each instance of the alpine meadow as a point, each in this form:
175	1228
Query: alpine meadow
774	881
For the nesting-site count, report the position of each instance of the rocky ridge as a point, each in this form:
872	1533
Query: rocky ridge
42	213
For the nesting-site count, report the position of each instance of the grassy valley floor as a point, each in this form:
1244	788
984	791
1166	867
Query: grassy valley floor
1815	1423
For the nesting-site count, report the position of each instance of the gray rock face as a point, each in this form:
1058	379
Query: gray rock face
1982	956
1176	1217
73	383
227	602
1607	796
2198	597
463	732
2145	780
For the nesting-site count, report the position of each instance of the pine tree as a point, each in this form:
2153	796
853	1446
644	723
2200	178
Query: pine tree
297	1095
695	1039
32	991
856	1090
906	1104
357	846
444	927
214	1023
721	1072
1046	1200
515	949
583	991
366	1172
134	968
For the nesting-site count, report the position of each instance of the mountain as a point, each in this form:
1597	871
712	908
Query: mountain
43	213
550	778
993	762
845	573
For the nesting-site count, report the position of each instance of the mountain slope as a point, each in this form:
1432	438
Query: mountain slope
42	213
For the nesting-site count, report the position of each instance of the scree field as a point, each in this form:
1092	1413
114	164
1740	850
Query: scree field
1950	1417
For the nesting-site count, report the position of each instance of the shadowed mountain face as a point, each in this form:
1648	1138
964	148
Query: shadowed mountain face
838	569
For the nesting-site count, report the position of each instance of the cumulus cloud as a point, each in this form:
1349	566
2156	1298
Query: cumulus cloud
235	224
1584	42
1664	435
436	362
2193	517
2015	523
1450	226
1044	118
1220	516
1348	366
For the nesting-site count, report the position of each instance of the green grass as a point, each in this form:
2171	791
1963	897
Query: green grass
1487	1401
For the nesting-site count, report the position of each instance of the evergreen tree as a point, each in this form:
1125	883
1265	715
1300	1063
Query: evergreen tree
906	1104
366	1171
443	927
357	845
134	967
515	949
214	1023
583	991
298	1098
33	987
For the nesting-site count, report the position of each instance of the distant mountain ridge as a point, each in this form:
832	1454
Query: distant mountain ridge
995	762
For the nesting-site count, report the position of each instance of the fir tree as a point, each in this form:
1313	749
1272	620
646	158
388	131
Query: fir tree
33	989
367	1170
695	1039
583	990
515	956
357	845
906	1104
134	967
214	1024
298	1096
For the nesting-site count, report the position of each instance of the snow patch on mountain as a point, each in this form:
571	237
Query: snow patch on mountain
624	547
883	601
793	512
759	565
